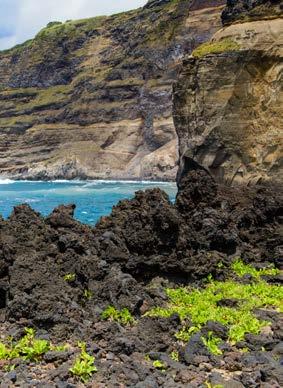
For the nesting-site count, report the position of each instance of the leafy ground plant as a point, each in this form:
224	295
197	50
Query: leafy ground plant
122	316
212	343
88	294
28	347
83	367
202	305
159	365
241	269
174	355
69	277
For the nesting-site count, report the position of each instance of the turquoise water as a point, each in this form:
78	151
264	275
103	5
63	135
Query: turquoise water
93	198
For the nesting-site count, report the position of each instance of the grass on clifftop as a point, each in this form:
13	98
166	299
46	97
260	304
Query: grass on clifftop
70	28
55	31
224	45
202	305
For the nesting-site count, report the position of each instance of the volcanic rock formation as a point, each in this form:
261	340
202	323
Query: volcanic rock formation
127	261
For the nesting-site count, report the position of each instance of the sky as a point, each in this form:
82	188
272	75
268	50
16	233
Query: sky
22	19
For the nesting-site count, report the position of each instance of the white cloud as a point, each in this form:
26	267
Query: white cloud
29	16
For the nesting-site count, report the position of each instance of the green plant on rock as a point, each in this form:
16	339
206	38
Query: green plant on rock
28	347
185	333
224	45
83	367
212	343
59	348
88	294
244	350
242	269
174	355
69	277
159	365
147	358
4	352
121	316
209	385
126	317
201	306
110	313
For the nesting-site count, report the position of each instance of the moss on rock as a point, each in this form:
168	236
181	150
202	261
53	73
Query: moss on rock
224	45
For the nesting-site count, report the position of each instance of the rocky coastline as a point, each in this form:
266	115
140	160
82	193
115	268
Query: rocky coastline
58	276
160	294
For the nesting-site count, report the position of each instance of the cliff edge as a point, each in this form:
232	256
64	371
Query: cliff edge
228	99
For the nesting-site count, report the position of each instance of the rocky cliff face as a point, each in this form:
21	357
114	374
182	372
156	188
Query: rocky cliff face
248	10
228	100
92	98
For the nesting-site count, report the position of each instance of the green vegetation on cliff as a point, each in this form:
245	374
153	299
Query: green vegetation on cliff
56	31
224	45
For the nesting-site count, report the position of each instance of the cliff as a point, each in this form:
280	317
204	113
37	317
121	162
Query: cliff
228	99
92	98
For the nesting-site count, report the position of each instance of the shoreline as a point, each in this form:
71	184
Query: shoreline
77	181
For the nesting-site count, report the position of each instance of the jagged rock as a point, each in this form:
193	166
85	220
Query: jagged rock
144	238
127	260
195	349
243	10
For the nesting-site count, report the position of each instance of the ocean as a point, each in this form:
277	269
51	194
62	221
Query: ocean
92	198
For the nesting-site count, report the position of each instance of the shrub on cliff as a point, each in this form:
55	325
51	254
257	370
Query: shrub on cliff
224	45
51	24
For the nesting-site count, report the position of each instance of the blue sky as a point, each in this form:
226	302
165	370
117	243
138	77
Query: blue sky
22	19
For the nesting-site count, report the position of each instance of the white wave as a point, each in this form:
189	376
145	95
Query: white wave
74	181
27	200
127	182
4	181
89	181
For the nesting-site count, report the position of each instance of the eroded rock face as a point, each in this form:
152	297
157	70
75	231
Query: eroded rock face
227	106
93	98
243	10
